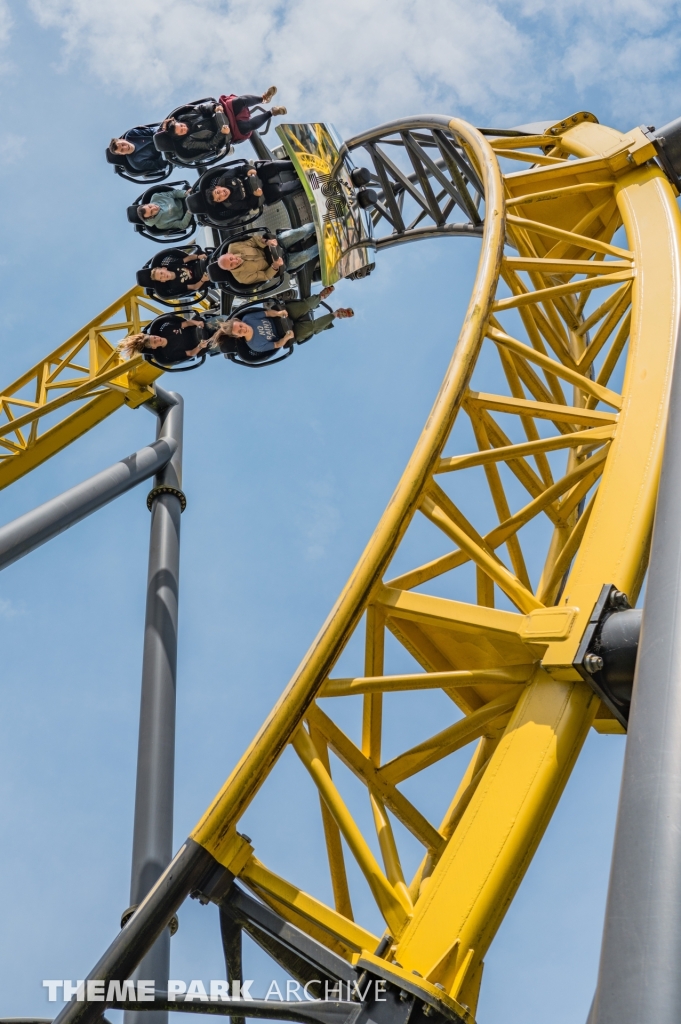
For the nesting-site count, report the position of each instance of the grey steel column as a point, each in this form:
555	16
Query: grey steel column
28	532
153	829
640	970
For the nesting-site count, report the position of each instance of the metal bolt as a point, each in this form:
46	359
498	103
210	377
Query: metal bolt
618	600
593	663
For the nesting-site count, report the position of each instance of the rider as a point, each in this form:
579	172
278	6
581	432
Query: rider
247	261
171	338
206	127
137	146
177	275
201	128
256	329
166	211
238	192
241	123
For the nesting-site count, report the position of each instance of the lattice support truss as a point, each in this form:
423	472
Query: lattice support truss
532	485
561	457
75	387
425	180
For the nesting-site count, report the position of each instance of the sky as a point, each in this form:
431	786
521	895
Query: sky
286	471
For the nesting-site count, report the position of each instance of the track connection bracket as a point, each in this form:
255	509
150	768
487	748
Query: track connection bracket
335	990
606	658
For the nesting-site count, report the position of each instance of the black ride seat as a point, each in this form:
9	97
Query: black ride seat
171	293
154	233
122	167
278	178
218	214
238	351
227	282
171	145
156	327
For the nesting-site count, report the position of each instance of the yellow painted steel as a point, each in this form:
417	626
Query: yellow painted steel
74	388
214	829
584	333
583	330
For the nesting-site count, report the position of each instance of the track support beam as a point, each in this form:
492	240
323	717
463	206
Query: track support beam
30	531
153	831
639	978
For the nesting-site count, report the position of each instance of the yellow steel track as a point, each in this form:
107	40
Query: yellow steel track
74	388
564	311
581	333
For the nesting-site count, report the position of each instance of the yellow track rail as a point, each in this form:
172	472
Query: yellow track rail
565	431
583	332
74	388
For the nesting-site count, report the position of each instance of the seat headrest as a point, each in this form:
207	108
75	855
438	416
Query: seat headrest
196	203
133	216
164	142
158	322
144	278
114	158
228	345
248	355
217	274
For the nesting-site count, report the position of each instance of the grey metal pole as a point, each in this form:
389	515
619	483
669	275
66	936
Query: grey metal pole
153	827
640	970
41	524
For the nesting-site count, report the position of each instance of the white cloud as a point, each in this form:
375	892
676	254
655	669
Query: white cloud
356	60
9	610
5	32
630	49
5	23
11	147
364	61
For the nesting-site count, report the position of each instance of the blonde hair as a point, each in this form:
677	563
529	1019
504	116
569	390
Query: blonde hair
225	329
133	344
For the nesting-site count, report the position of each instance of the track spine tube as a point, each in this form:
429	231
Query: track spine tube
152	847
639	978
34	528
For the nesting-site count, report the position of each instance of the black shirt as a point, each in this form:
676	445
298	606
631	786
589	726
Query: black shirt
204	124
179	340
185	274
241	198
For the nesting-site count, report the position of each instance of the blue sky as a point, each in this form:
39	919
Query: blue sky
286	471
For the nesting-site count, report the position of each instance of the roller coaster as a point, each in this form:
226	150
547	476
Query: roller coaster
555	402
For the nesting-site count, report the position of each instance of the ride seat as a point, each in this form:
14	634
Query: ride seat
163	258
155	327
238	351
121	166
149	230
216	214
171	145
227	282
278	178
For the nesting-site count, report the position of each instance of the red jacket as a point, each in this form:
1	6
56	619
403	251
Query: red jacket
243	115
